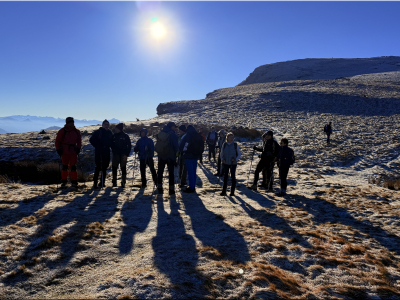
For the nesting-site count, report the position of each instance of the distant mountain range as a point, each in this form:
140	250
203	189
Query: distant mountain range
21	123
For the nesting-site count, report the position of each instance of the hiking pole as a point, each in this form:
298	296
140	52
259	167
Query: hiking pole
133	169
251	163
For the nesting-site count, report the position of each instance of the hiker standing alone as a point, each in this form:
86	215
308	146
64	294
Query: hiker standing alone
145	148
269	154
230	154
166	147
285	160
211	141
101	141
221	141
192	147
121	149
68	145
328	131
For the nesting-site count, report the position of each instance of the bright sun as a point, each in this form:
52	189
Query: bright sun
158	30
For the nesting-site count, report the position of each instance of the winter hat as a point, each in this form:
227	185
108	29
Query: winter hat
222	131
106	121
120	126
69	120
268	133
143	129
183	128
213	128
170	124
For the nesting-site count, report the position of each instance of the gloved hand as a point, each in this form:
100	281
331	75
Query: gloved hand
60	151
77	150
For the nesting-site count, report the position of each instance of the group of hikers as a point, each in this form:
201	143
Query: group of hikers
182	150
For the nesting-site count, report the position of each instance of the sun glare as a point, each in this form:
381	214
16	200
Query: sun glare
158	30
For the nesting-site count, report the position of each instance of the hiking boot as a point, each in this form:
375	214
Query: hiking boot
171	192
254	187
160	190
189	190
281	194
182	186
270	190
232	194
64	184
223	193
114	184
122	184
144	185
216	174
74	184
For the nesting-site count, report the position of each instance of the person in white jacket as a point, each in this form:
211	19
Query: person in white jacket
230	154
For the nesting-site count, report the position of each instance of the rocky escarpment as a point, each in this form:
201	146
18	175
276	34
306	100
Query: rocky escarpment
322	68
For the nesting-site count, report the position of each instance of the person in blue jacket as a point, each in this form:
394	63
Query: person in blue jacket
192	147
145	148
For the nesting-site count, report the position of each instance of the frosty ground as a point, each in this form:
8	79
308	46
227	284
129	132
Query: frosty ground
336	235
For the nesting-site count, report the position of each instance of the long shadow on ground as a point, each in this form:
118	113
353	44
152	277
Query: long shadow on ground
136	215
214	232
26	208
325	211
102	209
175	253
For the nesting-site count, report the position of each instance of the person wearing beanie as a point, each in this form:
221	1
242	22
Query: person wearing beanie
101	141
285	160
181	159
270	151
221	141
211	141
166	148
145	148
68	145
121	149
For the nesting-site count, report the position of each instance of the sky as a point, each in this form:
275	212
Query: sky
97	60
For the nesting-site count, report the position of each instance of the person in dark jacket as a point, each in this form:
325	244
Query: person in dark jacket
328	132
269	154
121	148
181	159
285	160
68	145
211	141
221	141
145	148
168	158
101	141
191	143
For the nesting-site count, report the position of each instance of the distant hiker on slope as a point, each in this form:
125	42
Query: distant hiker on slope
220	142
211	141
230	154
101	141
285	160
145	148
68	145
328	132
192	147
166	147
181	159
269	154
121	149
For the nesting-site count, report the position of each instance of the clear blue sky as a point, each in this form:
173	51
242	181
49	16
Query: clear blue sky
96	60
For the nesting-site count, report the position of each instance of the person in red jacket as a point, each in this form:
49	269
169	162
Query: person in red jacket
68	145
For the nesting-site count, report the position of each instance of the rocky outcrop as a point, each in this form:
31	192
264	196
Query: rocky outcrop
322	68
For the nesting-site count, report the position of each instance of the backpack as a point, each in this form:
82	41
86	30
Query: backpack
212	141
196	144
163	145
235	145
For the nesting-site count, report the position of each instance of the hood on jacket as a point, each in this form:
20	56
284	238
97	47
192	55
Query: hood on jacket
221	131
190	129
145	131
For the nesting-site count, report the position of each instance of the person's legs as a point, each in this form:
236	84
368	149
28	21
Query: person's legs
212	151
124	160
115	163
226	173
191	165
160	174
73	173
105	163
233	176
64	172
143	171
259	167
283	173
270	175
97	169
218	166
150	163
171	175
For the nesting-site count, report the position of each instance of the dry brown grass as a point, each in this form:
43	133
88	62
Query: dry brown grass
351	249
93	229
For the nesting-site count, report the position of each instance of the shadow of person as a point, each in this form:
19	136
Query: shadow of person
26	208
175	253
214	232
136	215
325	211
